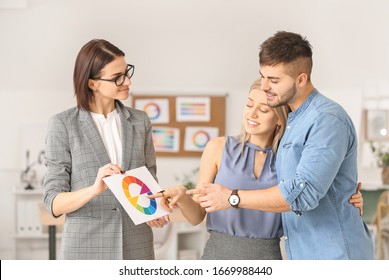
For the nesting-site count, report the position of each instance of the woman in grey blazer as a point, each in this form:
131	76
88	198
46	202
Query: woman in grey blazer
98	138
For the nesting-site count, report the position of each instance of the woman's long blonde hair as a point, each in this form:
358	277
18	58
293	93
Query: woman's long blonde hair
281	112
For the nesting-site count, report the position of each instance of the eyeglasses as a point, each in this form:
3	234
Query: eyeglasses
119	80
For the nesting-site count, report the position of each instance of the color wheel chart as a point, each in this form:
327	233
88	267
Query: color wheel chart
136	192
200	138
153	110
182	115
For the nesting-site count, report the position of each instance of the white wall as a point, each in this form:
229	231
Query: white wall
193	46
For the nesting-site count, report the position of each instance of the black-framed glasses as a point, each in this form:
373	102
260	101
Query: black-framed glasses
119	80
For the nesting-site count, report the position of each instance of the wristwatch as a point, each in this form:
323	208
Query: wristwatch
234	199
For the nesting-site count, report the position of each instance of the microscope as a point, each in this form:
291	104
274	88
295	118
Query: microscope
29	175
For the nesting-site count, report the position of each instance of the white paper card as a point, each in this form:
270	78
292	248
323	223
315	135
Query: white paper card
193	109
157	109
196	138
132	189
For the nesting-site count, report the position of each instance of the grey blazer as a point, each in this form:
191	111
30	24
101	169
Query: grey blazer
101	229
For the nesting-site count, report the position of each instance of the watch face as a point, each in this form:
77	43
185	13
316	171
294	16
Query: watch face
234	200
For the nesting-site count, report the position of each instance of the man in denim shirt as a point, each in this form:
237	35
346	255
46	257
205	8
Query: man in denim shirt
316	162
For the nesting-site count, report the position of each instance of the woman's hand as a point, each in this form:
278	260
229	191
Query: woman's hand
107	170
357	200
212	197
159	222
170	197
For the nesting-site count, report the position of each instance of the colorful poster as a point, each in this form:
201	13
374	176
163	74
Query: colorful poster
156	109
132	189
166	139
192	109
197	137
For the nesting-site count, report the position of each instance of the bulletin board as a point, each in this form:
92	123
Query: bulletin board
182	124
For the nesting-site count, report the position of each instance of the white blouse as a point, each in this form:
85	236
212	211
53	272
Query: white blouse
110	131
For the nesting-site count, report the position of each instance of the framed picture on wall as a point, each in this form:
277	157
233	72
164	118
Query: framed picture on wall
183	124
376	124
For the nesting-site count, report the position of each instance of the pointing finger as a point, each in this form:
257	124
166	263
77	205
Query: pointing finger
196	191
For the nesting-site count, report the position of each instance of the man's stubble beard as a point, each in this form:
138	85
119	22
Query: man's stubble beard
288	97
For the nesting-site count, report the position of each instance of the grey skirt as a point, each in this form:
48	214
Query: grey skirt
221	246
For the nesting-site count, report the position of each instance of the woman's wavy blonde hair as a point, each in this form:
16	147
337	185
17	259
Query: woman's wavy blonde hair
282	114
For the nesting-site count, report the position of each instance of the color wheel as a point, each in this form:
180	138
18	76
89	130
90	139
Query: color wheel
136	190
152	109
200	138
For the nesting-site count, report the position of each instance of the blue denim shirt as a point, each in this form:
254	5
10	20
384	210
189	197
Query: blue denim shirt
317	174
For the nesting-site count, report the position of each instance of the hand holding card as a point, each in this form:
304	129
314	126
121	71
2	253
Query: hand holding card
131	190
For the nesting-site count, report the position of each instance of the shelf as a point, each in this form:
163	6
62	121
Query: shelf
32	220
41	236
28	192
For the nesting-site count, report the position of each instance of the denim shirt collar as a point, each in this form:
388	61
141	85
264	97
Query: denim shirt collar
301	109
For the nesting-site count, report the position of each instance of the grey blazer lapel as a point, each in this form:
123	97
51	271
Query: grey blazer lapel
127	135
93	137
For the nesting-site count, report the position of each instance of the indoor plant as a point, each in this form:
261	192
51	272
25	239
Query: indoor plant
382	154
188	180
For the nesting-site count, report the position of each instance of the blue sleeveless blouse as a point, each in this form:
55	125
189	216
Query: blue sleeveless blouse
236	171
